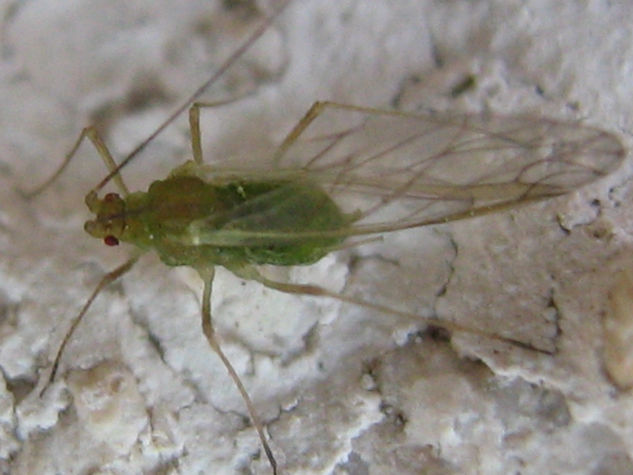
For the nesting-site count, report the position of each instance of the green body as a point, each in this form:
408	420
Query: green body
180	217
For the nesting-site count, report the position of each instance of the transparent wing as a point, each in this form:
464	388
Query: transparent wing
411	170
394	170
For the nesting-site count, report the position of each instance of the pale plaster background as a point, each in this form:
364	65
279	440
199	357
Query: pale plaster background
341	390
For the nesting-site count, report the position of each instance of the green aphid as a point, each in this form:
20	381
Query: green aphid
382	171
190	222
342	171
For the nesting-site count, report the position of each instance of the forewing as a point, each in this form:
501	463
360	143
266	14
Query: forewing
393	170
403	170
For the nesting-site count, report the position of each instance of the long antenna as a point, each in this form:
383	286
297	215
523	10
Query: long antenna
228	63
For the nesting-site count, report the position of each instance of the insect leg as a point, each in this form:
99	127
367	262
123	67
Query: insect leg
317	291
237	53
105	281
92	134
317	109
194	124
209	332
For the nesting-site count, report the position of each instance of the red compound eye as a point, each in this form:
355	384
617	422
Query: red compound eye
111	197
111	241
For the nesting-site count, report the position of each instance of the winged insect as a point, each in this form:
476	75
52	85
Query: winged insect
343	172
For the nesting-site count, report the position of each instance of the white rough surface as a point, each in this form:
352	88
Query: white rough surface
342	390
